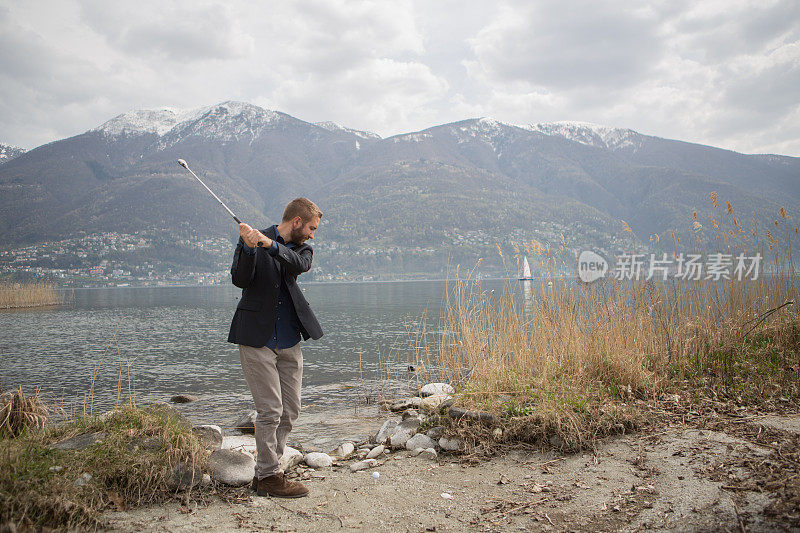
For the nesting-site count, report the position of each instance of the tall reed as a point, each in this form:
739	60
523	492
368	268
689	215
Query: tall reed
33	294
574	345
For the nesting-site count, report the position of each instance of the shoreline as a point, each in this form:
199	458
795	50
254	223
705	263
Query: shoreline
665	477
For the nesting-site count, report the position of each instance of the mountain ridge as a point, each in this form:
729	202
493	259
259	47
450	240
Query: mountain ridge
470	177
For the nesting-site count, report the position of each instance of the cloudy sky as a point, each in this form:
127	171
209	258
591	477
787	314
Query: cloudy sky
725	73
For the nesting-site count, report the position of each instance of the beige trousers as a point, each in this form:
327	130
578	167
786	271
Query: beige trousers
274	377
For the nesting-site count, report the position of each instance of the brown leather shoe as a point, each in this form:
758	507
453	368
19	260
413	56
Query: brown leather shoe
279	487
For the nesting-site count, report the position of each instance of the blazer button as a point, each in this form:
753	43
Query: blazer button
276	286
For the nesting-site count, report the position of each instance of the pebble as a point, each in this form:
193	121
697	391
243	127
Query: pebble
386	430
429	453
183	398
408	403
376	451
231	467
420	441
436	388
404	431
431	403
210	436
345	449
450	445
290	458
242	443
363	465
318	460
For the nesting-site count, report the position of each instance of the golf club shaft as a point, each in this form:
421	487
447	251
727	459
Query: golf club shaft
183	163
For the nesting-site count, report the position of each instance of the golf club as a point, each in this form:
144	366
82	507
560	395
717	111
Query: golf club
182	163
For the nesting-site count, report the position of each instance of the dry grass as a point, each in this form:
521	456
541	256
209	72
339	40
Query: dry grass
39	485
19	412
129	465
35	294
572	360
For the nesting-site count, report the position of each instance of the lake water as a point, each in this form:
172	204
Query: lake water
173	340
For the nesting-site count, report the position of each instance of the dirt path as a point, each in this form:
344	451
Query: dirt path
676	480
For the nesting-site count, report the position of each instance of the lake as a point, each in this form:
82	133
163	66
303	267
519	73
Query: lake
172	340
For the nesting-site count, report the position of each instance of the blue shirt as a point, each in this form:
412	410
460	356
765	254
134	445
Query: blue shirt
287	326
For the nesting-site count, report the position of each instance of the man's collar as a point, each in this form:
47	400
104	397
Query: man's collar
276	234
273	233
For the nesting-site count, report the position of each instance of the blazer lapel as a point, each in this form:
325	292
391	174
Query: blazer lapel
272	233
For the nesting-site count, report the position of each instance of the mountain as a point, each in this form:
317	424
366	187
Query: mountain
8	152
406	203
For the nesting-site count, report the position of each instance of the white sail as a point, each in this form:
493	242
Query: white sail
526	269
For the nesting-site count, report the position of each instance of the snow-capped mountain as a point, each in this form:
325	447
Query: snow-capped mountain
8	152
488	130
477	174
227	121
498	134
591	134
332	126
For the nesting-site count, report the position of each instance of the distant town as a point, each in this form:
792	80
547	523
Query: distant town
155	258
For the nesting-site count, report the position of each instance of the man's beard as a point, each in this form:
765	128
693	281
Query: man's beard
296	236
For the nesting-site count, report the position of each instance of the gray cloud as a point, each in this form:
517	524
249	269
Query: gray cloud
166	30
561	45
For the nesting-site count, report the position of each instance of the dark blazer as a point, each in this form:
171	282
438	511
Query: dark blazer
259	277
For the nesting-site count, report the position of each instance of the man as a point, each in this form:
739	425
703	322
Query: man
271	317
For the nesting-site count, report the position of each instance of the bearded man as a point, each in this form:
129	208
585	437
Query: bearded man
270	319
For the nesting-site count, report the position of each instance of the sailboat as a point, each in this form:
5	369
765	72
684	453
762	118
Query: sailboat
526	270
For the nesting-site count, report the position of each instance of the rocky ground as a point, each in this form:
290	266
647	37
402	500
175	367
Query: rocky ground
734	473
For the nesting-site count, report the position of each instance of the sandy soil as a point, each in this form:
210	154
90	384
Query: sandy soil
674	479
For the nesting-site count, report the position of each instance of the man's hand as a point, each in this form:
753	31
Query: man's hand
252	236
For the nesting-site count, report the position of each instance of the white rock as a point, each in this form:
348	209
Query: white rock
404	431
376	451
431	403
450	445
290	458
420	441
206	480
241	443
386	431
318	460
210	436
436	388
447	496
408	403
363	465
429	453
345	449
231	467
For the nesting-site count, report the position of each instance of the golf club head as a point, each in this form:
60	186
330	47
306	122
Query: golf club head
182	163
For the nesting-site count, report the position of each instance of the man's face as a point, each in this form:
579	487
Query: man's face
301	231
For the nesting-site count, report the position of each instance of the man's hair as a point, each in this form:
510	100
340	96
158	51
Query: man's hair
303	208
